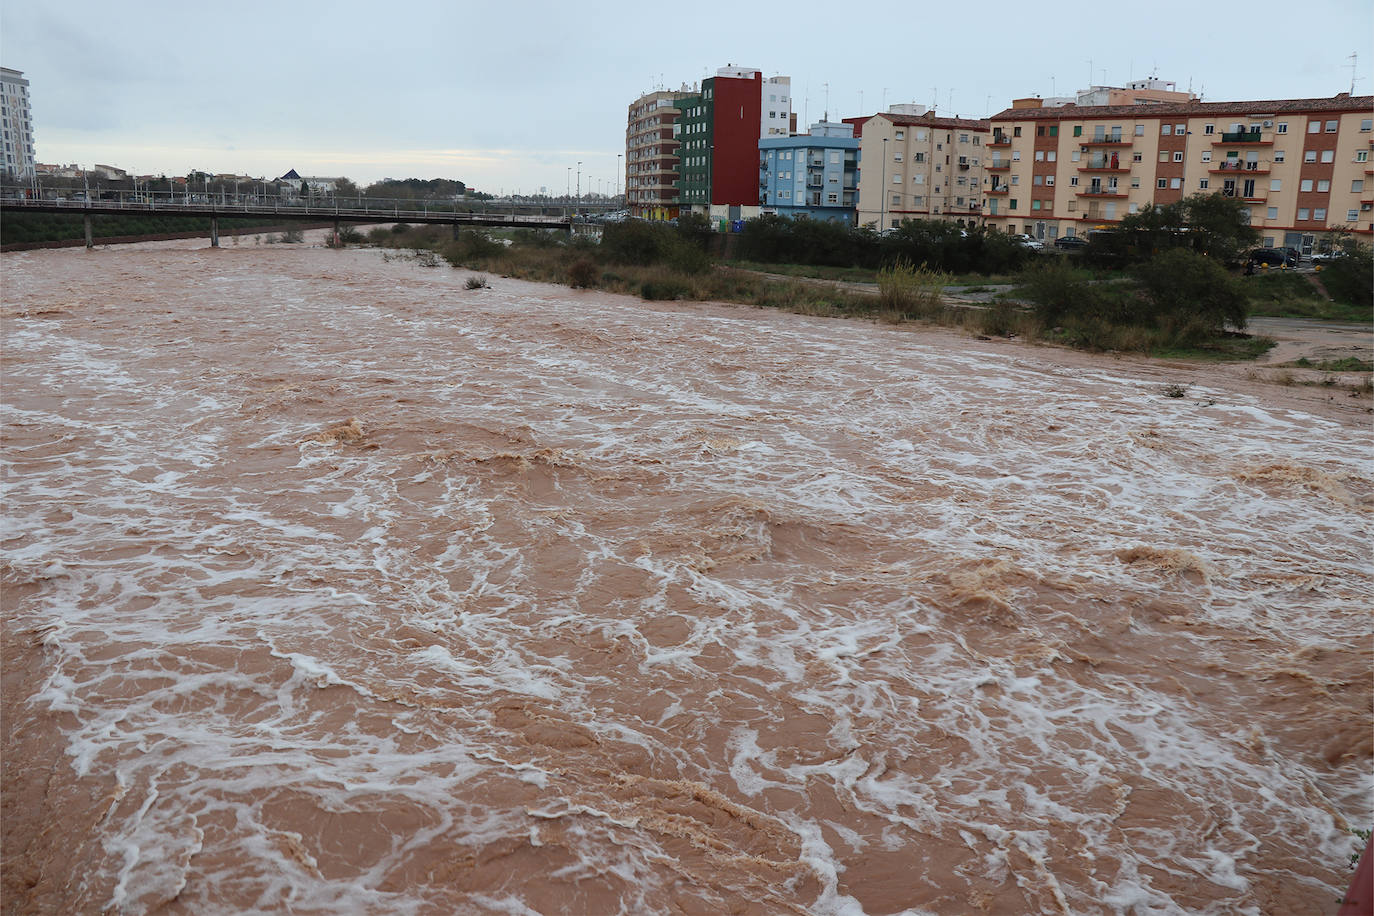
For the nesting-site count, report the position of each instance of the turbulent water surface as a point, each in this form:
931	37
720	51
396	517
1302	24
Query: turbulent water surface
332	586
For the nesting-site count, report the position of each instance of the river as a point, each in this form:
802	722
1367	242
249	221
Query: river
332	586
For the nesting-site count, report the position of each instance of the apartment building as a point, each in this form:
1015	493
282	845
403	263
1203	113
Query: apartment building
918	165
720	129
16	122
813	174
651	154
1301	166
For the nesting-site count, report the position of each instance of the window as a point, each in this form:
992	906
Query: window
897	178
1073	181
1140	130
1054	130
1367	125
1049	181
1331	126
1271	213
1016	131
1163	155
1037	180
1309	155
1319	214
1314	127
1012	204
1323	185
1276	184
1202	183
1328	155
1161	183
1040	130
1209	128
1073	206
1206	155
1175	183
897	156
1306	185
1137	157
1016	179
1281	127
1357	185
1051	156
1135	182
918	157
1303	213
1039	155
1166	129
1035	205
1362	156
1178	156
1352	215
896	200
918	179
1015	155
1131	208
1078	130
1278	155
1076	155
1179	129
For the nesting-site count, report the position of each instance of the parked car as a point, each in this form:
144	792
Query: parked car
1070	243
1275	257
1025	241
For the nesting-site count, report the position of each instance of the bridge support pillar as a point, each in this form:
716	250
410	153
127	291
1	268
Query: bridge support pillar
90	242
214	232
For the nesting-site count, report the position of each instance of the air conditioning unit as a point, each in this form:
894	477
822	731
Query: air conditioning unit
1268	123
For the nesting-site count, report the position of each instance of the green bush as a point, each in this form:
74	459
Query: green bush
1349	277
1192	293
1057	291
663	289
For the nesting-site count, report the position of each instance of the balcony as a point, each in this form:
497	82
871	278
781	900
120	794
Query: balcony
999	165
1113	140
1245	168
1000	189
1109	169
1000	140
1244	136
1100	193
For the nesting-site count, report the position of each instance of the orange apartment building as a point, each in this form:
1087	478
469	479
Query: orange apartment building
651	155
1302	166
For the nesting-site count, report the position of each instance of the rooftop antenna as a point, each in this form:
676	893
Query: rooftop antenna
951	102
826	116
1054	87
884	98
1353	77
934	97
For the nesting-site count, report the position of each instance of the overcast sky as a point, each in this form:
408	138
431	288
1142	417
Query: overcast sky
512	95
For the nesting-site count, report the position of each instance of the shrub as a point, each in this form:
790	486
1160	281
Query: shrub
400	228
1192	292
583	273
1349	277
908	290
635	242
663	289
292	236
476	282
1056	291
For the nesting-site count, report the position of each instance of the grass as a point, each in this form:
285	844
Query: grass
1345	364
1288	294
813	271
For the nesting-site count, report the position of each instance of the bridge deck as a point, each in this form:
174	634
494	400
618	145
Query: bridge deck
276	211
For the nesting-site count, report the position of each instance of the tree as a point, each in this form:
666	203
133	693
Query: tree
1192	293
305	189
1218	226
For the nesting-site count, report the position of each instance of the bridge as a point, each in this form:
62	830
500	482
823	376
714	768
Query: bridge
364	210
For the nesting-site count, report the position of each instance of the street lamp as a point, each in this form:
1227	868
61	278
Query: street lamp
579	185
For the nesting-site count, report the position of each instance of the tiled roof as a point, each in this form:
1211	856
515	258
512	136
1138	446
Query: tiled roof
1342	102
928	120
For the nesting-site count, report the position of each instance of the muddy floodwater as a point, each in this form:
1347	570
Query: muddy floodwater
331	586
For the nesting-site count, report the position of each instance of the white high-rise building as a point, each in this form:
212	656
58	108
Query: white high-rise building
16	122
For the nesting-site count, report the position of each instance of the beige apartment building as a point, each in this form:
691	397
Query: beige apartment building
651	155
916	165
1302	166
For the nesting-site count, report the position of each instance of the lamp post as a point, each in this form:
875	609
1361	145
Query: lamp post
579	185
617	174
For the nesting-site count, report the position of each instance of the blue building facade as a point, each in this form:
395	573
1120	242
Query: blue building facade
815	175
